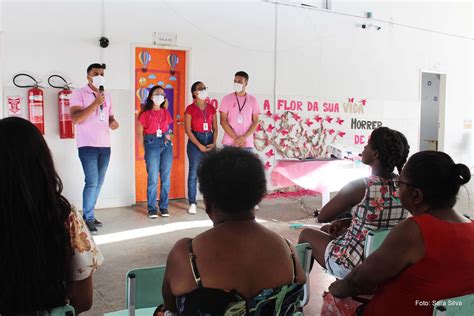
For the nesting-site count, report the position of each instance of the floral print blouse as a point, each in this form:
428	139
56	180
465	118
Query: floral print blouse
380	209
87	257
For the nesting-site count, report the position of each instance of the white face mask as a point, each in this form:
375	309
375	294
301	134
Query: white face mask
158	99
202	94
238	87
98	81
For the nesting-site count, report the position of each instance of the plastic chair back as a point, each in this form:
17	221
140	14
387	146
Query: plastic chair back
144	287
456	306
373	240
304	252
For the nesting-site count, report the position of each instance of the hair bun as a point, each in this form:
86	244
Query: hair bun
462	173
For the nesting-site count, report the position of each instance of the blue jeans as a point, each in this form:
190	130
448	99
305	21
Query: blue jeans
158	158
194	157
95	161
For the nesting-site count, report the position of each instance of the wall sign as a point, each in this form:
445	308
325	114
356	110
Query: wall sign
166	39
14	106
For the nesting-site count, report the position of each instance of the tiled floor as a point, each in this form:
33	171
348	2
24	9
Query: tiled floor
123	252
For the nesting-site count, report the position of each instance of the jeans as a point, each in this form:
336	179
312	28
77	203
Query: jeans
194	157
95	161
158	158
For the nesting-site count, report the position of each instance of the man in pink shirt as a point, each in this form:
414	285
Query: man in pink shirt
239	114
91	111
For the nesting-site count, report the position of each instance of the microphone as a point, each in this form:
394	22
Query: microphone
101	90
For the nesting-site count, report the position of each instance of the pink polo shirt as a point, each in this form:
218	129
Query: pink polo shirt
248	106
152	120
92	132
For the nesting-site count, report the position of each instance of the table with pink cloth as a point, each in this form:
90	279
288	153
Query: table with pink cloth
324	176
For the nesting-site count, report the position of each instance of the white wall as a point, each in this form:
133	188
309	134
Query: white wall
319	54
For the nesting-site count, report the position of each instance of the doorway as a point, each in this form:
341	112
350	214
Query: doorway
167	68
432	117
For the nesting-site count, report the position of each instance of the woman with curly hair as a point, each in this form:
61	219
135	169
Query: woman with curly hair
47	253
373	202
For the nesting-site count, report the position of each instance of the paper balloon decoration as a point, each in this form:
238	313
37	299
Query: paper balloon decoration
172	60
144	57
142	94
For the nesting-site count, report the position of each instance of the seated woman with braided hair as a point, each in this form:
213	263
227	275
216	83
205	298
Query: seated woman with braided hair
425	258
373	202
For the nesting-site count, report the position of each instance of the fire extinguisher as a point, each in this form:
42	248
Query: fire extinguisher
35	102
66	126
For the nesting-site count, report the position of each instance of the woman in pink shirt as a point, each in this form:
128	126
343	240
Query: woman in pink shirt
154	121
200	123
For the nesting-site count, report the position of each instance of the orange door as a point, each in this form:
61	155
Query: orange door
167	68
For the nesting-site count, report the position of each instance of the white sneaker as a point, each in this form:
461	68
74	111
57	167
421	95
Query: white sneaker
192	209
256	207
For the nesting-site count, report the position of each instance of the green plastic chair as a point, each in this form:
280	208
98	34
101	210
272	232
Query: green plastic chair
66	310
304	252
143	291
456	306
373	240
144	286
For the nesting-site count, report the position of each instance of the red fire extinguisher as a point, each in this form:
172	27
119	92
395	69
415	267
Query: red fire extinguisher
35	102
66	126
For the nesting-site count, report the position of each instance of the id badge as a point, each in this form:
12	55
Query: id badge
240	119
102	116
159	133
205	126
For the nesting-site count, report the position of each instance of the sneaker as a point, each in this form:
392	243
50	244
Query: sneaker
97	223
152	214
164	212
192	209
91	226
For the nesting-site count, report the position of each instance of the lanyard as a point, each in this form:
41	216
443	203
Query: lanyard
204	114
243	105
158	120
